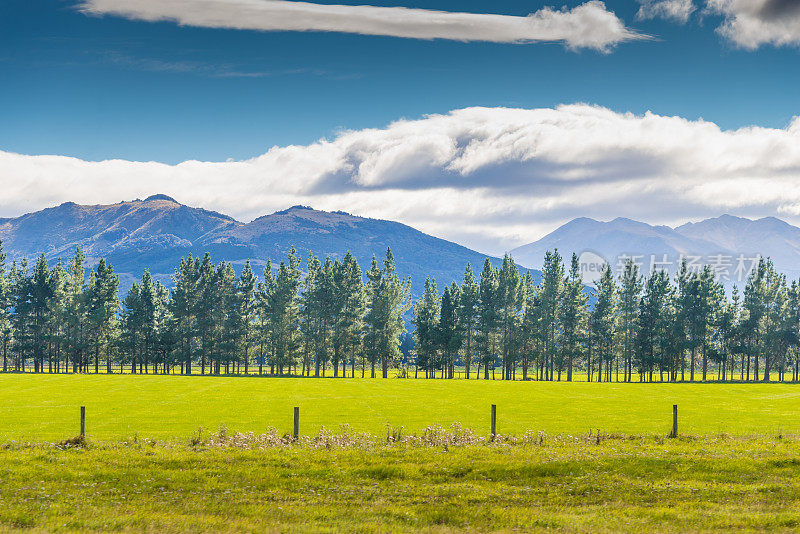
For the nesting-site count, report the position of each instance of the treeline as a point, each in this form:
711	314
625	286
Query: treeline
212	321
643	328
331	317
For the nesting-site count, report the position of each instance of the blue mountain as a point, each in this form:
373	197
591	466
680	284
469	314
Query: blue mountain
155	232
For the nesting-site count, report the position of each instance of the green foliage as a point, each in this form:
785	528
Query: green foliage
328	314
426	325
389	299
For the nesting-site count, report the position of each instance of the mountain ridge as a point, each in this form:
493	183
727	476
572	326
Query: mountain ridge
156	232
727	238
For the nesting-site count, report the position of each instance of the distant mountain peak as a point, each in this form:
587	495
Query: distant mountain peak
161	196
583	221
731	239
298	207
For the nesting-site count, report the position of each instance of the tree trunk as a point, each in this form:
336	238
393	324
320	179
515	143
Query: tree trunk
705	362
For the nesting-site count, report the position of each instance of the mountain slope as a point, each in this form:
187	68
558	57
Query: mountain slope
769	237
156	232
612	240
334	234
131	235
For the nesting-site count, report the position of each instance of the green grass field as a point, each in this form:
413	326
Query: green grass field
46	407
735	467
570	485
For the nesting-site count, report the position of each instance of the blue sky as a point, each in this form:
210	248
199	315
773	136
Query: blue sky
476	137
106	87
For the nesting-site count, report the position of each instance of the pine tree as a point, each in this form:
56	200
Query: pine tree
427	310
76	343
550	297
511	297
488	318
102	311
531	338
790	328
183	307
6	331
149	326
248	310
22	318
351	308
319	312
388	302
165	336
602	321
777	332
629	292
284	309
132	326
709	300
57	320
572	318
40	295
650	349
674	336
468	315
450	331
266	330
228	329
311	316
204	312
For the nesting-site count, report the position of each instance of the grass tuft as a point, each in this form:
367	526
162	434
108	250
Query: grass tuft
78	442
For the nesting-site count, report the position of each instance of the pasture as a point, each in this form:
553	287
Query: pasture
568	485
46	407
146	468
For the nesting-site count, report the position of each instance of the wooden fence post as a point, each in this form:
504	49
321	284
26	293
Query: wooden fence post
674	421
296	433
83	421
494	421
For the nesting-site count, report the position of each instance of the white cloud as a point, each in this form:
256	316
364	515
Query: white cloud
746	23
589	25
752	23
677	10
491	178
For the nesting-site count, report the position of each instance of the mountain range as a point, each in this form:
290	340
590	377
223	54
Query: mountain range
723	242
156	232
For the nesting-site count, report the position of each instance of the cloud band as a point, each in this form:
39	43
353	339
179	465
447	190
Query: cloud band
491	178
589	25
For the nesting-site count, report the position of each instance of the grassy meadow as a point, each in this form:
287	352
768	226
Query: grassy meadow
650	484
146	468
46	407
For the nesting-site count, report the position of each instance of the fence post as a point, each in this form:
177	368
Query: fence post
83	421
296	433
494	421
674	421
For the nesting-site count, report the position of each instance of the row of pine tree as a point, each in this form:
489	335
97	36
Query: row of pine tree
212	321
332	318
637	328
